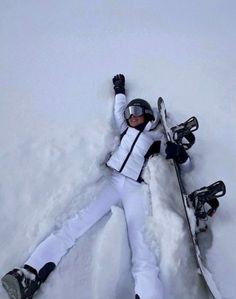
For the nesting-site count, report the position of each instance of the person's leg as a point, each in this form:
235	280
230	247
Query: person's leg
56	245
24	282
144	264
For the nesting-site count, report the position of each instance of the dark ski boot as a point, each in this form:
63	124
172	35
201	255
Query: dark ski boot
137	296
21	283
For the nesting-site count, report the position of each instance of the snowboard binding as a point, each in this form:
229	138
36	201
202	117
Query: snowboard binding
205	202
185	131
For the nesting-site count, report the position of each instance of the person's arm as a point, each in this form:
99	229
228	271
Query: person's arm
120	102
178	154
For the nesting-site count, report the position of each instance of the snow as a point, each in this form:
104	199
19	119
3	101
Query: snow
57	59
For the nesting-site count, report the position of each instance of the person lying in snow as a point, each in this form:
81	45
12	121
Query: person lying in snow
138	142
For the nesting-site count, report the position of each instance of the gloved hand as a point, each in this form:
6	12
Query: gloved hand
119	83
176	152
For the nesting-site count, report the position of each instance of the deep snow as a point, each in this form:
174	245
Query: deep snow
57	59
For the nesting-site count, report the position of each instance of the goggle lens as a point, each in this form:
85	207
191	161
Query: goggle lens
133	110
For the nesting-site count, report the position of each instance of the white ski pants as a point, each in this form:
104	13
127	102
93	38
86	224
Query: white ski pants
118	189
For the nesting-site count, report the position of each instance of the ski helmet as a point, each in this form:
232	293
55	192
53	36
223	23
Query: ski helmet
138	107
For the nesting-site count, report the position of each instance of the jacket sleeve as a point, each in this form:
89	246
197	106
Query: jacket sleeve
185	167
119	108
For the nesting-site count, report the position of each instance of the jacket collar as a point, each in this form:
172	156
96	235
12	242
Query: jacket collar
144	127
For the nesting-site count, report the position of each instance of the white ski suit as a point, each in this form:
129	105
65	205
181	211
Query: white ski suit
123	187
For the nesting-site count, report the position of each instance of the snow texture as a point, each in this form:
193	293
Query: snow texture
57	59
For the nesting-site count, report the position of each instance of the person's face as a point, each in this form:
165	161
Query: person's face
134	121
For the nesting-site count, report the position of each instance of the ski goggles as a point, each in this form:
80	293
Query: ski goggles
134	110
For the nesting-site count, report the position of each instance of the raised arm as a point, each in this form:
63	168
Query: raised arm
120	102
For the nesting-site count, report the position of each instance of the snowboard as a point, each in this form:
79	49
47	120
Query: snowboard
195	202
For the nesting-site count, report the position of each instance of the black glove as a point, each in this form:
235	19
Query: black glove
119	83
176	152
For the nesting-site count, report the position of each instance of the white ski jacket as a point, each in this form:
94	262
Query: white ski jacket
135	146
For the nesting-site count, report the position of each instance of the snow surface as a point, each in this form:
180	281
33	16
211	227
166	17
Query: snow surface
57	59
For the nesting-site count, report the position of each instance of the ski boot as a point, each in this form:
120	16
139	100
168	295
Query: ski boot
21	283
137	296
